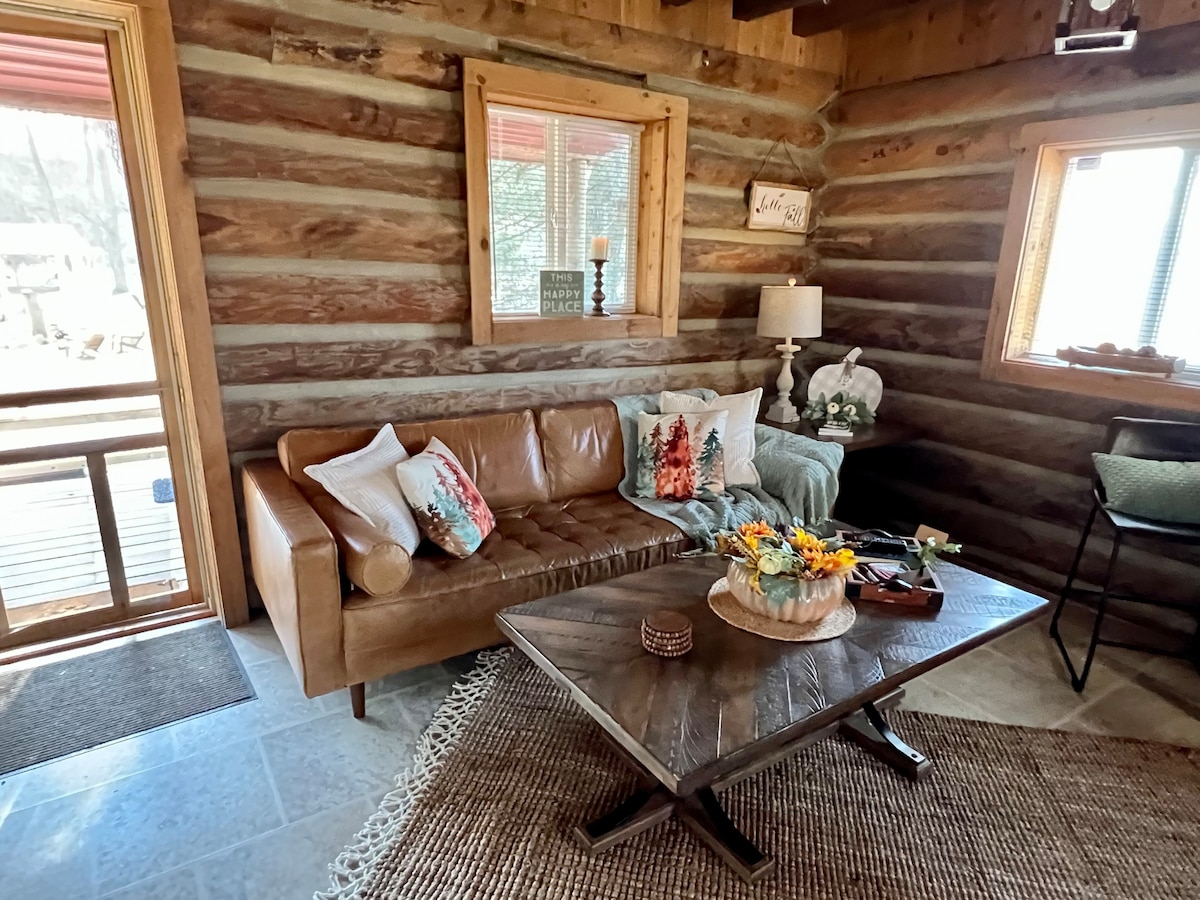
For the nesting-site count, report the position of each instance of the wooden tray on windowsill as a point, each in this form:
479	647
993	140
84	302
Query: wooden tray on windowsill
1147	365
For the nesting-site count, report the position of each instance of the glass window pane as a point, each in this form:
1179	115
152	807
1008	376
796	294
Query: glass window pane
51	559
53	424
1112	213
555	182
144	503
1179	330
72	306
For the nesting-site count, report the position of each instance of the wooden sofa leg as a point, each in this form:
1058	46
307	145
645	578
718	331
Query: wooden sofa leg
358	699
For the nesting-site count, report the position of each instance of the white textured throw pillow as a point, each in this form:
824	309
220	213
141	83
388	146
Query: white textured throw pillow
739	428
365	483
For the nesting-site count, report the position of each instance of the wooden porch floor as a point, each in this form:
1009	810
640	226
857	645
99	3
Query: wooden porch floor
50	549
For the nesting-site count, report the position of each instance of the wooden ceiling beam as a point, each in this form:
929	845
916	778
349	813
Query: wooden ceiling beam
811	17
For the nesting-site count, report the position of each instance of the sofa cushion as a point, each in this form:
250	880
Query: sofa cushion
447	607
501	453
527	541
583	449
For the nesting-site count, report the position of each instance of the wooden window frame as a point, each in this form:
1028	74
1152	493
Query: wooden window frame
1038	180
149	109
663	163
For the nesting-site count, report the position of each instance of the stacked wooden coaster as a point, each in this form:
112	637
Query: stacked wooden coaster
667	633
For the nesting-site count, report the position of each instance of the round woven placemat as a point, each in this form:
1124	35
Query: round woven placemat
725	605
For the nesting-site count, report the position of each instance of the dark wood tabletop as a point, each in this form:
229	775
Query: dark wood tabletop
864	437
737	696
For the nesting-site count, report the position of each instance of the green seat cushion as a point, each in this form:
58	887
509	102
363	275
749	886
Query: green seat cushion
1163	490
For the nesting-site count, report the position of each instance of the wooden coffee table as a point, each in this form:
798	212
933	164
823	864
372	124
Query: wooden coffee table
738	703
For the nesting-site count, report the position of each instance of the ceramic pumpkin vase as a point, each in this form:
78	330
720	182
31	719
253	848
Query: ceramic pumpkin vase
848	378
794	600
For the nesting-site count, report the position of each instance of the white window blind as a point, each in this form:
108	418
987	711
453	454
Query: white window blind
1124	259
555	182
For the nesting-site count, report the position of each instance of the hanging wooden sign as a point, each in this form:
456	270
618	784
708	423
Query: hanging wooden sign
778	207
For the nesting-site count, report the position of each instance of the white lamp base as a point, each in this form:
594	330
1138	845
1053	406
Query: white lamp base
783	410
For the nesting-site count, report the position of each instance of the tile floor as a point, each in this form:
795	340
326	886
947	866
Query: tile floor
254	801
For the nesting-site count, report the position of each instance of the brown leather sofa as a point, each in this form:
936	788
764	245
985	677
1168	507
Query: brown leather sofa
350	605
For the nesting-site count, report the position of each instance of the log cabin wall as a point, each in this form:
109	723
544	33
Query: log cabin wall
919	174
325	144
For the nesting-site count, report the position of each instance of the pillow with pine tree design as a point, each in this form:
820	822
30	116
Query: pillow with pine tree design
445	502
681	456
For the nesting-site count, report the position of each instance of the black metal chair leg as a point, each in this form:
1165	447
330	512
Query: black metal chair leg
1066	591
1101	607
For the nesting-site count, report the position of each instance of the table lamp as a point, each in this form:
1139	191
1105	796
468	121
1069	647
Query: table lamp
788	311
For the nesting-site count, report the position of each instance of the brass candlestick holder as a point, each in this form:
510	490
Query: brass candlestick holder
598	293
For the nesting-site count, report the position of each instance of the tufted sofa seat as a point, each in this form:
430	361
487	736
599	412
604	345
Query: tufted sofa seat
351	606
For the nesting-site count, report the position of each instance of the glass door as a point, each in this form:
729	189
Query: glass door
89	528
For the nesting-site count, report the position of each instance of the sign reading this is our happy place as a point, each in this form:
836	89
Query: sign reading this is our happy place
561	293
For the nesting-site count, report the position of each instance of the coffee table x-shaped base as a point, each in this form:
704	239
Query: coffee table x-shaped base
702	812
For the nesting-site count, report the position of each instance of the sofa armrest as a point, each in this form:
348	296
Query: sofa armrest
294	560
370	559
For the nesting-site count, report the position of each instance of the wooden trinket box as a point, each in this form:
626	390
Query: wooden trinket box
920	589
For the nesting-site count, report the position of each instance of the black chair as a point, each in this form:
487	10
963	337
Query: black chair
1143	439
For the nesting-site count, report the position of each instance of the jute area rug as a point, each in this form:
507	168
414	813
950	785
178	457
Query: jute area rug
510	765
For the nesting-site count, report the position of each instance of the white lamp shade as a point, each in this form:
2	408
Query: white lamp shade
790	311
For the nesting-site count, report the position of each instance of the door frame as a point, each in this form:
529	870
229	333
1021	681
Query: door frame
150	119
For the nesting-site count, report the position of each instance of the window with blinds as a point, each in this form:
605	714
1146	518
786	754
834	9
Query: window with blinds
1123	265
556	181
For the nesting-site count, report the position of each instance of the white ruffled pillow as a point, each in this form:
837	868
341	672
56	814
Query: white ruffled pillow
365	483
739	428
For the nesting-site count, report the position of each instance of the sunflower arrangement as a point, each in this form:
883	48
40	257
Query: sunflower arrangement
800	555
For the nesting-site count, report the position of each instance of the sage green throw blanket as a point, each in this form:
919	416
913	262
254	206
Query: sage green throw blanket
799	479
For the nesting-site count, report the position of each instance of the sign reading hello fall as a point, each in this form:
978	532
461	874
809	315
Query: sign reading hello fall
778	207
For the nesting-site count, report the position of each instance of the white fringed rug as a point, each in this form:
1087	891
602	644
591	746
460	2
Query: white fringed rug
511	765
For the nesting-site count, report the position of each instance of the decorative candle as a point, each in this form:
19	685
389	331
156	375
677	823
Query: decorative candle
599	248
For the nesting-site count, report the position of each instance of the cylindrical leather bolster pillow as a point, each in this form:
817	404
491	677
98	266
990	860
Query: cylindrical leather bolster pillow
373	562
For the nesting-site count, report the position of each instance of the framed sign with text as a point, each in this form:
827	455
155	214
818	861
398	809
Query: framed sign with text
778	207
560	293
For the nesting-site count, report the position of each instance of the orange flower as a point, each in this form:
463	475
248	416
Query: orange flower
757	529
804	542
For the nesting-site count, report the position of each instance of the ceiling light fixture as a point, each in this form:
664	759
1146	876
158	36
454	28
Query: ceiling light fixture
1096	26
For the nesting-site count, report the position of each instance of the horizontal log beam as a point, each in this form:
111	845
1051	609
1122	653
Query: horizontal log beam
948	194
333	361
729	257
940	288
257	424
723	168
1039	82
1041	440
930	332
216	157
744	120
718	301
939	147
238	299
246	227
707	210
626	49
960	241
232	98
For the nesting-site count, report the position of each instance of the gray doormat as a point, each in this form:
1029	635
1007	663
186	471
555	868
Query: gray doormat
510	765
51	710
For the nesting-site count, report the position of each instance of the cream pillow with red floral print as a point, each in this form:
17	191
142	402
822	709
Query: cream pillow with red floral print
445	502
681	456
